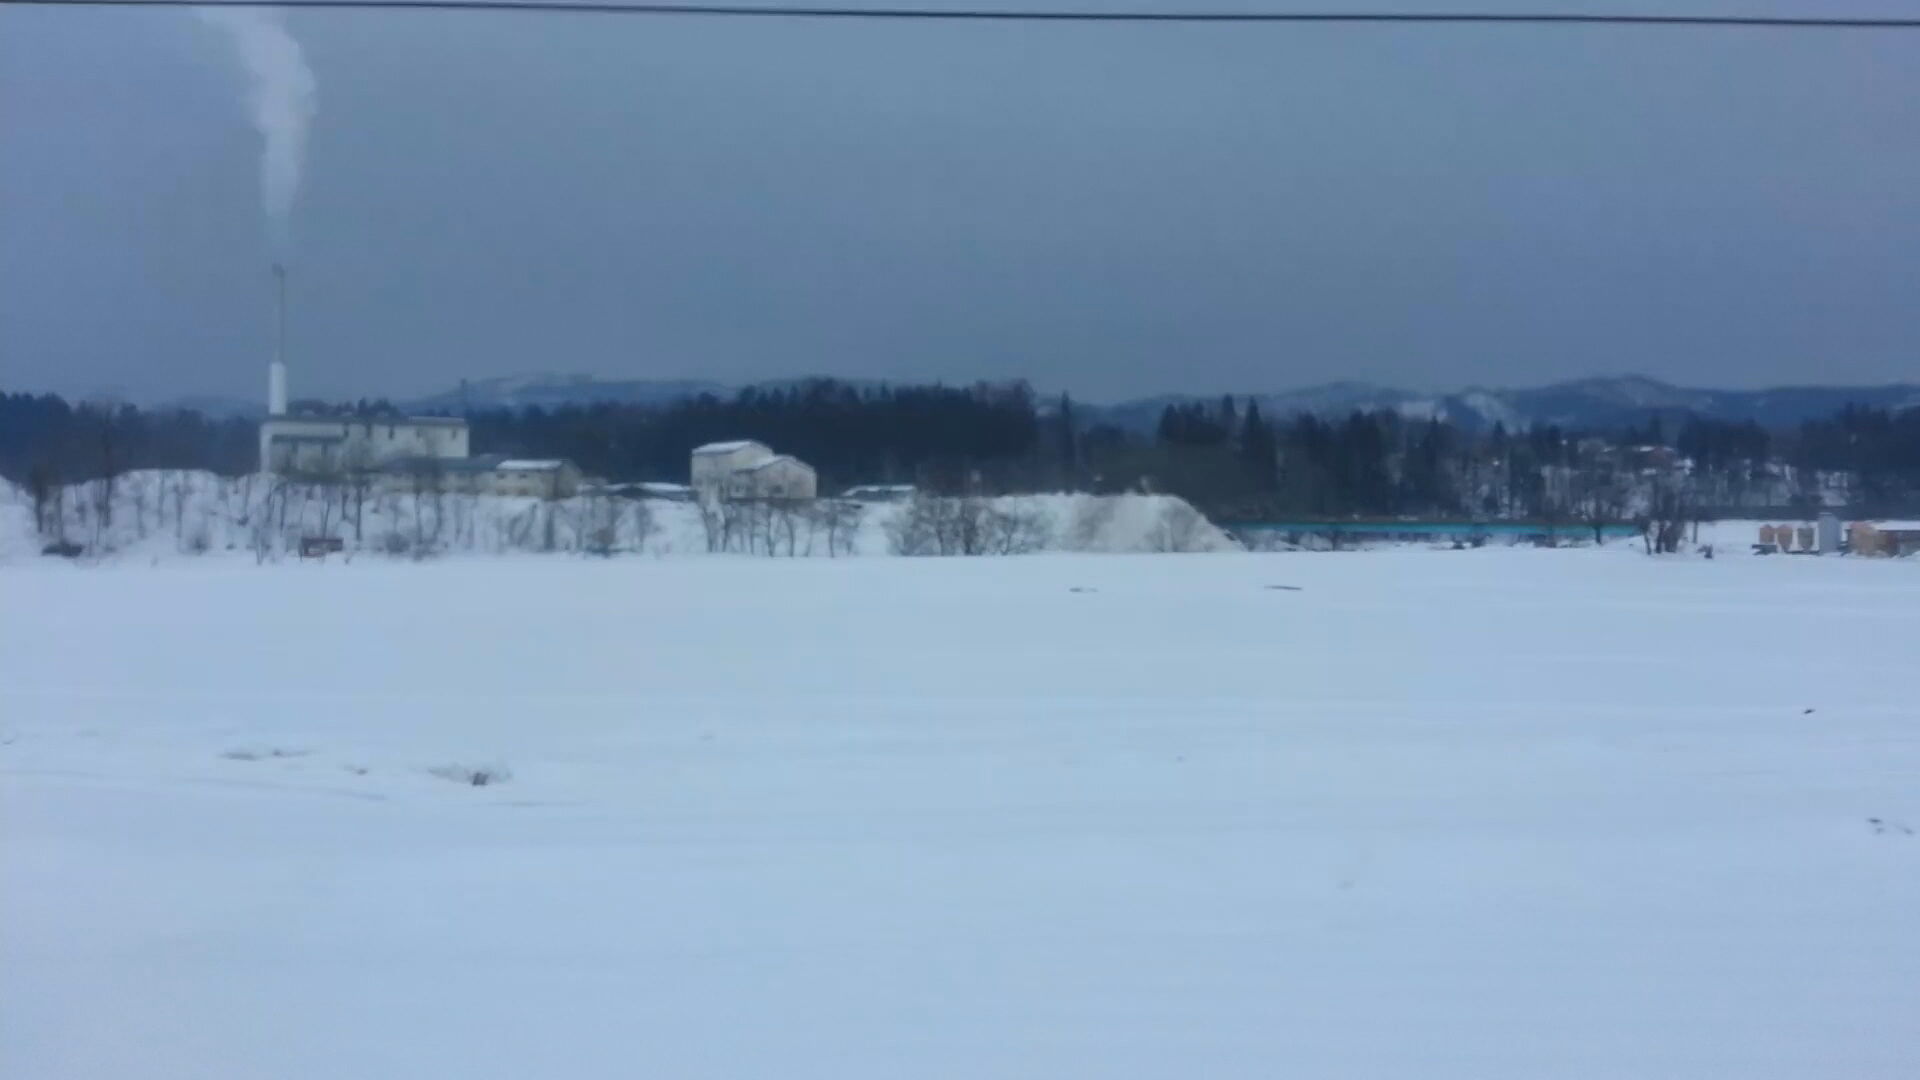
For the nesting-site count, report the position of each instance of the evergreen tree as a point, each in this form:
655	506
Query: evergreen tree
1259	450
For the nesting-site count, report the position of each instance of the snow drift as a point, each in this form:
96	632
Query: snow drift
169	513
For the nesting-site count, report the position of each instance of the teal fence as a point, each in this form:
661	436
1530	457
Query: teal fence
1435	530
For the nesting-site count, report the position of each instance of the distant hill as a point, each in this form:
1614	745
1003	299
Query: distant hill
1608	402
216	406
548	390
1582	403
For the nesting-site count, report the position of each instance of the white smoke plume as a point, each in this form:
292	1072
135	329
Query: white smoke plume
282	101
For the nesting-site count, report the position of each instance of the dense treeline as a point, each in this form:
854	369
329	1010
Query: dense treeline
1880	448
931	434
1224	456
43	435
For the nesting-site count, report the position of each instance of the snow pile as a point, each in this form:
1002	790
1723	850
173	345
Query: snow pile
17	536
157	514
1123	523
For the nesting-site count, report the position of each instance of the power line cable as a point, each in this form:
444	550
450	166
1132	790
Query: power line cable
614	7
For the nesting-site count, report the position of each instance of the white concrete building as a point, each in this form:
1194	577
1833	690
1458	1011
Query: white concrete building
315	442
745	469
715	462
305	443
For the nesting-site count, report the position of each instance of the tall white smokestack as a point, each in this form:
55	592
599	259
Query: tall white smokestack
277	371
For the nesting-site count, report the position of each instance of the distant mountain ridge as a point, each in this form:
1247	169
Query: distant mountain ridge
1601	402
549	390
1604	403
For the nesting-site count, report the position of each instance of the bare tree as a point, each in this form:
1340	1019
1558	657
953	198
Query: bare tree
137	495
111	463
642	524
46	494
327	480
782	517
841	520
1550	515
599	524
1601	501
103	493
520	528
263	531
964	525
713	523
358	471
736	525
179	484
1665	525
428	481
917	529
464	506
1013	531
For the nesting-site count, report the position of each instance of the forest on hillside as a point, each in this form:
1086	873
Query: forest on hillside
1000	438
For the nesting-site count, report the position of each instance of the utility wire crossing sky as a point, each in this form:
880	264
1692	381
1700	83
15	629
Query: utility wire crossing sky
1033	15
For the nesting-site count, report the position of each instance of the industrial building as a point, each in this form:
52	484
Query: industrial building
402	452
315	442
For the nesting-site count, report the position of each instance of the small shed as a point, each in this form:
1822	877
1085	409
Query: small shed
1893	538
1829	529
547	478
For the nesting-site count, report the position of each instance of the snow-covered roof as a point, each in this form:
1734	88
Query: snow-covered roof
346	420
661	487
530	465
879	489
770	462
429	464
727	447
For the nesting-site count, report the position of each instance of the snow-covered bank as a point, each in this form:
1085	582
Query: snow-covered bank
164	514
1486	815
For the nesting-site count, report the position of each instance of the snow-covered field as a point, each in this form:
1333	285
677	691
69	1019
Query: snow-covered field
1486	814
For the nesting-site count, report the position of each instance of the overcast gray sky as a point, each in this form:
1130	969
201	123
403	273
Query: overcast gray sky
1114	209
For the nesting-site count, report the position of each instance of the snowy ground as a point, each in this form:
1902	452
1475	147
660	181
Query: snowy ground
1485	814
